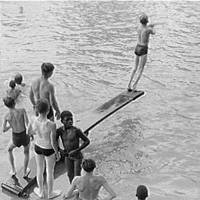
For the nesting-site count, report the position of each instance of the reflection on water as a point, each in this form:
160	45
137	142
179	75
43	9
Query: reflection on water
154	141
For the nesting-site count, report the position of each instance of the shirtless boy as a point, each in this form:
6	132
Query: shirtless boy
46	149
89	185
70	137
42	88
17	120
144	31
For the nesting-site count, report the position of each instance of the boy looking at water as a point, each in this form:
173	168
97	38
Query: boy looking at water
144	31
70	137
17	120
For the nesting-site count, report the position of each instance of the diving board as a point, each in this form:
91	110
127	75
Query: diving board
91	119
87	121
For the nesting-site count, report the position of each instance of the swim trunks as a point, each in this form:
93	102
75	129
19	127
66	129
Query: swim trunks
20	139
141	50
50	114
43	151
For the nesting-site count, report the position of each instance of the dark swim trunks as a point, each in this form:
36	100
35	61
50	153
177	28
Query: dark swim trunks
20	139
141	50
50	114
42	151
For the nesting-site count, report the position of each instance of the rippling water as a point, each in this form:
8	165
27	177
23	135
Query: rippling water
154	141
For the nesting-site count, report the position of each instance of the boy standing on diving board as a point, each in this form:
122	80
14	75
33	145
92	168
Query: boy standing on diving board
141	49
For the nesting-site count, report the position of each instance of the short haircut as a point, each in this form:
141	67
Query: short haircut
144	19
47	68
12	84
42	106
88	165
142	192
64	114
18	78
9	102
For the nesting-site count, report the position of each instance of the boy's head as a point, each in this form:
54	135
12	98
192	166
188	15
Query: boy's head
9	102
66	118
88	165
142	192
18	78
12	84
144	19
42	106
47	69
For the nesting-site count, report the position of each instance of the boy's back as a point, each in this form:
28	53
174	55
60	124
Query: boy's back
16	119
89	186
143	34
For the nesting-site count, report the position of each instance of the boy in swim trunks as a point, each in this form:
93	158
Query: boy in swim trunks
142	192
89	185
17	120
70	137
46	149
144	31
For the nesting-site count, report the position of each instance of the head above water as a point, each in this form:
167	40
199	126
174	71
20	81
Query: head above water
144	19
142	192
12	84
42	106
9	102
88	165
18	78
47	69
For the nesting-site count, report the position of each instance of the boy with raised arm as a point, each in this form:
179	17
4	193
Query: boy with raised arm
70	137
144	31
17	120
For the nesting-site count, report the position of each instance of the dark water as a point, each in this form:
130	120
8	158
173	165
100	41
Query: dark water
154	141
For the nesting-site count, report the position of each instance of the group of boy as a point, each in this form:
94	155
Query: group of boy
41	88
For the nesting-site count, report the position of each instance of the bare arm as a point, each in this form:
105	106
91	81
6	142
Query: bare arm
54	102
31	97
72	190
26	118
6	125
54	141
30	130
112	194
85	143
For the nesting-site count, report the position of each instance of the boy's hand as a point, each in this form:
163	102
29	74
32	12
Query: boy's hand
73	153
57	156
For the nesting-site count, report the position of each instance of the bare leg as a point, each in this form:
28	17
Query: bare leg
11	158
134	71
40	162
50	164
143	61
26	158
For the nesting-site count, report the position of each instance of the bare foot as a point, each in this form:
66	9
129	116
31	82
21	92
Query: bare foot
12	173
38	193
54	194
